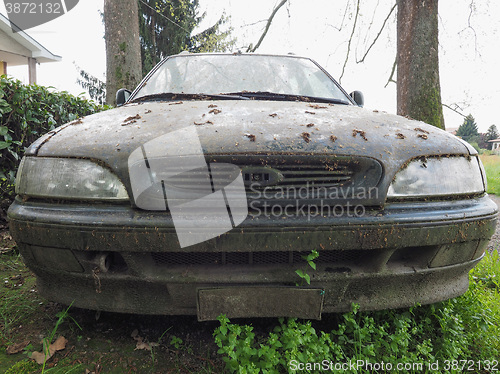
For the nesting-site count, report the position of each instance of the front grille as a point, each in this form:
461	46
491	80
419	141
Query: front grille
280	179
325	175
309	179
254	258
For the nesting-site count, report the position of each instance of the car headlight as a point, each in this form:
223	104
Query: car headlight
438	176
68	178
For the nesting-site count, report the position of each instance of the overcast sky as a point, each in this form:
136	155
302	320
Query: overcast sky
319	29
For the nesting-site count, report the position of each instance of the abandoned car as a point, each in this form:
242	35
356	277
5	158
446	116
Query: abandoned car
214	185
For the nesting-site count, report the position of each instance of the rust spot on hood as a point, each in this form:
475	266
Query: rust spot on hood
400	136
306	136
215	111
423	136
251	137
333	138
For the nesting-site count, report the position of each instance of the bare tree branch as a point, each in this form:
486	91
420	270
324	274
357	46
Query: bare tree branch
343	19
393	71
472	8
454	109
350	41
378	35
266	29
254	23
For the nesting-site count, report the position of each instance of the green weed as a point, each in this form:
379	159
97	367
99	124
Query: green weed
310	261
465	328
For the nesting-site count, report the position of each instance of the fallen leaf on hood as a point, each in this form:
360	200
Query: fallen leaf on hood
203	123
45	355
130	120
306	136
360	132
77	122
315	106
421	130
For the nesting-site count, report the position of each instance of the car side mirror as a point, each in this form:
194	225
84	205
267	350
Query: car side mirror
358	98
122	95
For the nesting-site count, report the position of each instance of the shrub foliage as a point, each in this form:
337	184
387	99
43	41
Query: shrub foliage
27	112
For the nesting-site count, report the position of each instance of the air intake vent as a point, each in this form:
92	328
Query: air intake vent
254	258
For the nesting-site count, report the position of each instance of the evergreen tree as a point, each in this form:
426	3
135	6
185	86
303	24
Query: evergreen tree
166	28
468	129
491	134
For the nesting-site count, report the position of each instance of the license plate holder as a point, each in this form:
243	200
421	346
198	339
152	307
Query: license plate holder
258	301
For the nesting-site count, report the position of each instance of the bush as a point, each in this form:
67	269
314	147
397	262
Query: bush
27	112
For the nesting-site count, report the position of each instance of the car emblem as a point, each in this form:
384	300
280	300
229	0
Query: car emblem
262	176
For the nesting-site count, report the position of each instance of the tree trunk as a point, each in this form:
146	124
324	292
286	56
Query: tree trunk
123	51
418	88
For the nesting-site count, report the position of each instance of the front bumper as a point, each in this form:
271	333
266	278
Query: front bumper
116	258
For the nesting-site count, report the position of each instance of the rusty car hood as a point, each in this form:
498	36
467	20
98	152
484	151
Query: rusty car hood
242	127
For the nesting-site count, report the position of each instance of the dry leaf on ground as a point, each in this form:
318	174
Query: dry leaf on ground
16	348
58	345
141	344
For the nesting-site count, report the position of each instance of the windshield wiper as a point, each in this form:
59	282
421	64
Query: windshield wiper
260	95
183	96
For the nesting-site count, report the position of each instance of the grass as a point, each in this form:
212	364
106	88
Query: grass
18	300
492	167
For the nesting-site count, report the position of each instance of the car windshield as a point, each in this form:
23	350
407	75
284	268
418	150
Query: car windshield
228	74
